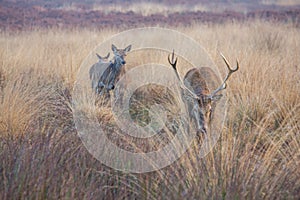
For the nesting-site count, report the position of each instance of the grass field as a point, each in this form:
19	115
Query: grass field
256	157
281	2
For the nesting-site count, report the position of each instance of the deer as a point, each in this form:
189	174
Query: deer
96	70
111	74
196	95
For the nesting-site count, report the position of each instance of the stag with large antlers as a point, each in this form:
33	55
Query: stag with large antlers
196	94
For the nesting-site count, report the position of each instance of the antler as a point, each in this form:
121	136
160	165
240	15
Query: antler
173	63
231	71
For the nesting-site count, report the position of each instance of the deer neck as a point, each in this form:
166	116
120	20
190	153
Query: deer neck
117	65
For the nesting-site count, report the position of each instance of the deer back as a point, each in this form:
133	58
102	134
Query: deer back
212	80
195	81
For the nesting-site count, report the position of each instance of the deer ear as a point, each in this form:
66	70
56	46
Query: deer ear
216	97
127	49
100	58
106	57
113	48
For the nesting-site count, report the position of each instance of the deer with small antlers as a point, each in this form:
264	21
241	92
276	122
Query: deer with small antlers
197	96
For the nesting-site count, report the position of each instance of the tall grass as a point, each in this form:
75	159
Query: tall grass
148	8
257	155
281	2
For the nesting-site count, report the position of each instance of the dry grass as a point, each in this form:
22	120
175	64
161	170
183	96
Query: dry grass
281	2
147	9
257	155
143	8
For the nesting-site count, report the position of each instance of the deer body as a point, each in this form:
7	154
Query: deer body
112	73
95	71
106	81
196	94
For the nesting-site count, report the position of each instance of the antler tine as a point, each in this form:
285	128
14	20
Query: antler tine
230	72
173	63
229	68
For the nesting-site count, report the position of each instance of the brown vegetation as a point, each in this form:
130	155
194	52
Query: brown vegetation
256	157
28	16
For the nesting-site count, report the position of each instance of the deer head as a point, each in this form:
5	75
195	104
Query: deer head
120	54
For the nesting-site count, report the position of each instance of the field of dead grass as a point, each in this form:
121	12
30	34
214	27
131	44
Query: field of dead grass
256	157
281	2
